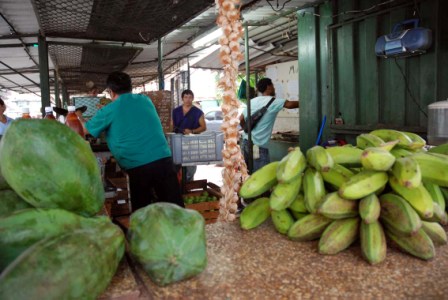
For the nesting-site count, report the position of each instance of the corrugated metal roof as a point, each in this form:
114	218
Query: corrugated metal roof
123	36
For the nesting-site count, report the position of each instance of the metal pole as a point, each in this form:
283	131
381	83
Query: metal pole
56	89
43	73
256	80
160	64
250	163
188	73
64	97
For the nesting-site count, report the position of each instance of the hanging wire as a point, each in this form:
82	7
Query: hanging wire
352	11
406	83
416	10
277	10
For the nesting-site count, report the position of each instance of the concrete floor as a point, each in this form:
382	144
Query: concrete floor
263	264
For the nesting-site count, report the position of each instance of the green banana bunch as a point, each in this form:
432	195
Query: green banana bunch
255	213
436	194
313	188
260	181
319	159
373	242
441	149
444	193
377	159
369	208
391	135
345	155
435	232
308	228
439	215
400	152
335	207
282	220
398	214
298	205
388	146
298	215
338	236
417	141
367	140
337	175
418	197
285	193
418	244
291	166
434	167
407	172
363	184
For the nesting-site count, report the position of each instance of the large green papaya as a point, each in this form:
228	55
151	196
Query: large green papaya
55	167
75	265
22	229
10	202
3	184
169	242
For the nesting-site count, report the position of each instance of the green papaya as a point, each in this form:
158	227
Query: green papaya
55	167
77	265
11	202
21	229
168	241
3	184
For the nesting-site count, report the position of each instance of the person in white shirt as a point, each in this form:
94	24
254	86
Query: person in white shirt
4	119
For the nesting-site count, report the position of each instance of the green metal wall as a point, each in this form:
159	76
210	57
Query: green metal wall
339	71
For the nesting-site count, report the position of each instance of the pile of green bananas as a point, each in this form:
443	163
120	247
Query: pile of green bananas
386	186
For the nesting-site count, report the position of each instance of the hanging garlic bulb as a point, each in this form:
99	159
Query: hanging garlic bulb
235	170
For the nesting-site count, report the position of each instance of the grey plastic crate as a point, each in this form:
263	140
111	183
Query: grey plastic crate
197	148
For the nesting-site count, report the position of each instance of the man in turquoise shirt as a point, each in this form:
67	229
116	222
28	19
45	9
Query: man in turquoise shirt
261	134
135	138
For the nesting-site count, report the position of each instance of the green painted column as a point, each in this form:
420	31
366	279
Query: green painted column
44	73
308	82
56	90
160	64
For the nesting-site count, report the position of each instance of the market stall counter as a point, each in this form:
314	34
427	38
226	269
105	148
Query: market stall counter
262	264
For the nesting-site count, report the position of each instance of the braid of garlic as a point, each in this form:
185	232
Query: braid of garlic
235	169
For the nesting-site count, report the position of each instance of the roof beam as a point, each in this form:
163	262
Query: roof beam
13	30
23	45
94	45
38	85
17	36
17	85
21	70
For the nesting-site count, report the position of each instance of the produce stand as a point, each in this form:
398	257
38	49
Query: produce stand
119	205
208	209
262	264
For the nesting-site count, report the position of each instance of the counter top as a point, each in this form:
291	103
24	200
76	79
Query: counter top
262	264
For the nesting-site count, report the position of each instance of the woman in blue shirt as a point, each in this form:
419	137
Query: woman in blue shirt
4	119
188	119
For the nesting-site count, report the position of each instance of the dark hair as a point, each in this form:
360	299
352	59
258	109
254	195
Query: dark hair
187	92
119	83
263	84
2	102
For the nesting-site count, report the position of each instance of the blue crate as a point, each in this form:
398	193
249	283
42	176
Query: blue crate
198	148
